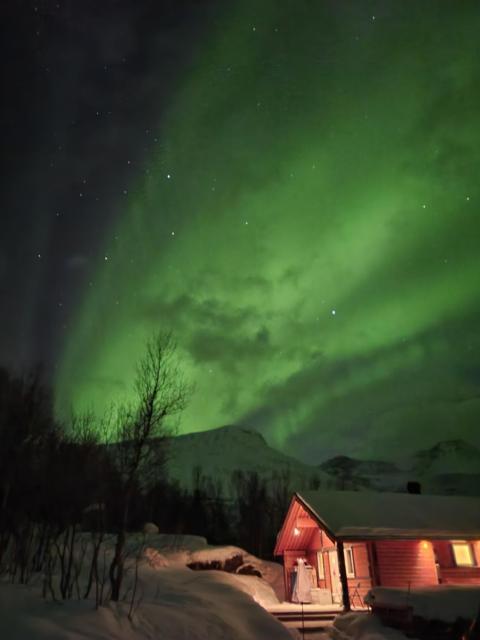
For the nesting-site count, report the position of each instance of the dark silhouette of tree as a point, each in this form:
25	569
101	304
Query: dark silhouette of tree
142	434
253	511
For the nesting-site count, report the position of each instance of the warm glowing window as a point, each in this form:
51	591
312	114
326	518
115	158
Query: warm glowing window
320	566
349	566
463	554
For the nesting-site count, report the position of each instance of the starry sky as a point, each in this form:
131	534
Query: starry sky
291	187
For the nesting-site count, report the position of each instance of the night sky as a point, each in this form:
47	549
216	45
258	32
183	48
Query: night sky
291	186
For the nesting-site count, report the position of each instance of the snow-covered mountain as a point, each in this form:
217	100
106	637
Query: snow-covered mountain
449	456
452	466
220	452
448	467
373	474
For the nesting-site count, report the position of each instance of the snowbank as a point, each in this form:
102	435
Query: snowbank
438	605
175	605
442	602
172	602
182	551
362	626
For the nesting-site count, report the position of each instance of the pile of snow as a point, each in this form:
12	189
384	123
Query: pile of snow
362	626
183	551
171	601
442	602
175	605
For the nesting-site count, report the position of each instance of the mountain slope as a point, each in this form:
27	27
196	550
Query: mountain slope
448	467
449	456
220	452
374	474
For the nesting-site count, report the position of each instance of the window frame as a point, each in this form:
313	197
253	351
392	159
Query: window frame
468	545
348	551
320	566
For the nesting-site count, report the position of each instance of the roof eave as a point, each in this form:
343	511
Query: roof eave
426	535
321	523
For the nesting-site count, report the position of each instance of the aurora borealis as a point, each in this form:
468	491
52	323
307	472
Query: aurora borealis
305	217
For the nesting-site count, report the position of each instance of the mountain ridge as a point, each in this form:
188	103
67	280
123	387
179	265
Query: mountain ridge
449	466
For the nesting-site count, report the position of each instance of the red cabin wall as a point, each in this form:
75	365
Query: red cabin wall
302	537
361	583
391	563
449	573
315	545
404	563
319	541
359	586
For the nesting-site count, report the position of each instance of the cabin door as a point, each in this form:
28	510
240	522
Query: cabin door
335	576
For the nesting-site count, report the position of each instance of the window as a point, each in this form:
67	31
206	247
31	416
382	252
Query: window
349	565
463	554
320	566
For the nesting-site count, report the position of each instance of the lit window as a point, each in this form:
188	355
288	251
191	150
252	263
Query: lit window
320	566
349	565
463	555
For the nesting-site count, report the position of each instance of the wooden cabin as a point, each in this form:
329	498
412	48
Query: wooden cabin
353	541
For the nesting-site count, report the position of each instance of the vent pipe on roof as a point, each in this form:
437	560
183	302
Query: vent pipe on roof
414	487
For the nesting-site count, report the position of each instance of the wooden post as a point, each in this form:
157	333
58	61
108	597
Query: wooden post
343	576
373	564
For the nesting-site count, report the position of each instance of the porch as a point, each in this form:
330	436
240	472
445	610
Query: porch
307	616
325	560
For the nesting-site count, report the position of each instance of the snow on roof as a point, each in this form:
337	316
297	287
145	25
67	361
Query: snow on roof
361	515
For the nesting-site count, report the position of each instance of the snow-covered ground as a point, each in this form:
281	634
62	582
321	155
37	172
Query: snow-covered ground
442	602
363	626
172	602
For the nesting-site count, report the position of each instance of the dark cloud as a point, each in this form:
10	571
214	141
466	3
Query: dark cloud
388	402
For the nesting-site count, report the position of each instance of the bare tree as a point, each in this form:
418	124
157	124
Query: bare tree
161	392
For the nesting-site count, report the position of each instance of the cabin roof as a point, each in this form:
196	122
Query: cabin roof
366	515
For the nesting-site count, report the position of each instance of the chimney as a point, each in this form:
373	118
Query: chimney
414	487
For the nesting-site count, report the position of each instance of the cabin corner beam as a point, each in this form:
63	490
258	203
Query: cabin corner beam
343	576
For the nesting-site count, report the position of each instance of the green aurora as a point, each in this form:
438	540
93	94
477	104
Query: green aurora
309	229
